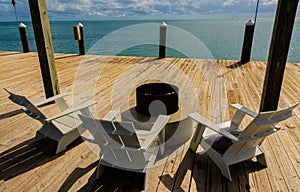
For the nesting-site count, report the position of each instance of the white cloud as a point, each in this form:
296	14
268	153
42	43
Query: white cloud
56	5
118	8
133	8
6	7
97	13
269	2
231	2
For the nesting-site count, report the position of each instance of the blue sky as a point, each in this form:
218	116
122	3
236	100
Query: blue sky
140	9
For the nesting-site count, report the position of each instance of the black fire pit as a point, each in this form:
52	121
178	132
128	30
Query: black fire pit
161	97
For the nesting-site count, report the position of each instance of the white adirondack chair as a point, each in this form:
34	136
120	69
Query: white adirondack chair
229	145
63	127
120	144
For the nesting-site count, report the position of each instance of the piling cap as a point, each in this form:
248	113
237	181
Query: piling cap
250	22
80	24
163	24
22	25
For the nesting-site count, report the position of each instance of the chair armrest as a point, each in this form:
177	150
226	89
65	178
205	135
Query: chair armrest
159	124
111	115
72	109
39	104
244	109
202	120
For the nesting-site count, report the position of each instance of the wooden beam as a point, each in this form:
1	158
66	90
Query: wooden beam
279	48
43	39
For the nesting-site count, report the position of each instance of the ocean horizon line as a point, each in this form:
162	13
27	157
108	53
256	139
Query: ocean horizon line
150	19
222	37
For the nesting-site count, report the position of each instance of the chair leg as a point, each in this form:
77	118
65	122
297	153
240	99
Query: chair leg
39	136
67	140
62	144
145	180
162	140
226	172
61	147
197	137
220	162
262	159
100	170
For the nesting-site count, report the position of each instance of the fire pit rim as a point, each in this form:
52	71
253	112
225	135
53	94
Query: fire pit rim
149	92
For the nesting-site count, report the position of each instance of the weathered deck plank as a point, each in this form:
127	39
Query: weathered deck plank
113	80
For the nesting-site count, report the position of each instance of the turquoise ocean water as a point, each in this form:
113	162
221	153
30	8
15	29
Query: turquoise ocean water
222	37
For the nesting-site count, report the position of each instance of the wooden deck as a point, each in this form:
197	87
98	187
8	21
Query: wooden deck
208	86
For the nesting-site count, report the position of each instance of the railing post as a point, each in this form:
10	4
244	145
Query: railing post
162	40
43	40
248	39
24	38
279	48
78	35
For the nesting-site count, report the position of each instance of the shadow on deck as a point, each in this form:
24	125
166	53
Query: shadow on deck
189	164
111	180
28	155
236	65
119	180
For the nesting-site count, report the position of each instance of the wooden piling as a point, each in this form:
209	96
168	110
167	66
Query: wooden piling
279	48
162	40
78	35
248	39
24	38
43	39
81	39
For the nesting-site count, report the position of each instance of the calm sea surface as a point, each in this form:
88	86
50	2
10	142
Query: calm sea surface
221	37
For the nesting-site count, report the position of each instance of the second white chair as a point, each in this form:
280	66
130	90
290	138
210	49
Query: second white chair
230	145
120	144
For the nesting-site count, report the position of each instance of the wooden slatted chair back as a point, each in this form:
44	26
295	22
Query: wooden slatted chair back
129	137
260	127
266	120
118	142
31	109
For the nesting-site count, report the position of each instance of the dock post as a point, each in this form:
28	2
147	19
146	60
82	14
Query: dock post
43	39
278	52
78	35
24	38
248	39
81	41
162	40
